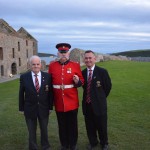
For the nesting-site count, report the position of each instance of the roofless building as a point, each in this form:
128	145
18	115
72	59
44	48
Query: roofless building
16	47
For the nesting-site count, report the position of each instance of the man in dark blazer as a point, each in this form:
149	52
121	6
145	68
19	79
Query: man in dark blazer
35	102
94	102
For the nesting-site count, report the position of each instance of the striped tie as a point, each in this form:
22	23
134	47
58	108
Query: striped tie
37	83
88	100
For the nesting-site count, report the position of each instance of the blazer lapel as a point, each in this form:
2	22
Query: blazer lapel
42	81
85	76
94	74
31	83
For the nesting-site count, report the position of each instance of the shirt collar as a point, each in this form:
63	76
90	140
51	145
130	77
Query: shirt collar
38	74
64	63
91	68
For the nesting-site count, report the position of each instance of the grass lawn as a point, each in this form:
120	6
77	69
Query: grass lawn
128	111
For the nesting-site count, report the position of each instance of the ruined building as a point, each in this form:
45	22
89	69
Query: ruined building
16	47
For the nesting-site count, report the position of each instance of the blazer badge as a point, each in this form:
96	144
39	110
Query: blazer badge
98	84
46	88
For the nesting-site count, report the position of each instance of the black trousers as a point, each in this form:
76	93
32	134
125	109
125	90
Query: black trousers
96	126
32	127
68	128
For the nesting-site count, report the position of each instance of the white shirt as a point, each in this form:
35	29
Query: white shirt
38	76
89	71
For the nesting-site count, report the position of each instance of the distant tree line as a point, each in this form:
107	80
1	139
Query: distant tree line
134	53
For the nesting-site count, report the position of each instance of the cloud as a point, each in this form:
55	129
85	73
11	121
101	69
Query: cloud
110	25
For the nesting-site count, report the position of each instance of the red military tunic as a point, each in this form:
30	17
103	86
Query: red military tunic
65	99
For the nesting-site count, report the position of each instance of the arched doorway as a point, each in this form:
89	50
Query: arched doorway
14	68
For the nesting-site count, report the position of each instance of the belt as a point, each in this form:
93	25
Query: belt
63	86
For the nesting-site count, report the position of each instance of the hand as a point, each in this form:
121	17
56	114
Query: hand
76	79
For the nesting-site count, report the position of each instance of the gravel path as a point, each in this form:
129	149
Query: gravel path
4	79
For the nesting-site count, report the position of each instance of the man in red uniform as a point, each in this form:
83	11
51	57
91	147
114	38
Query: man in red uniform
66	77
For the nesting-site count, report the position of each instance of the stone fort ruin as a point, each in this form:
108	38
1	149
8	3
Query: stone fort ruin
16	47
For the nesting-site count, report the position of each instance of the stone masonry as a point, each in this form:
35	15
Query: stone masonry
16	47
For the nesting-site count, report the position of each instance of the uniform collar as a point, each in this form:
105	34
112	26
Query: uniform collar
64	63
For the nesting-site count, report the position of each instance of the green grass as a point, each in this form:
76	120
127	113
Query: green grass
128	111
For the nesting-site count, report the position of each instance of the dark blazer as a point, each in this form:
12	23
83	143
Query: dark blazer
100	88
31	102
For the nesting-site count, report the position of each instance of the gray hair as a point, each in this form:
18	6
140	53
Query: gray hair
33	57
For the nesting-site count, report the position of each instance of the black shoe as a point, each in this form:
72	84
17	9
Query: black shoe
74	147
63	148
90	147
105	147
48	148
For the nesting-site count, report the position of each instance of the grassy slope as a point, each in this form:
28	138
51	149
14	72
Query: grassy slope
128	111
128	103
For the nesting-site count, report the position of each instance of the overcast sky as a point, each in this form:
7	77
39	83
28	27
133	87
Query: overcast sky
104	26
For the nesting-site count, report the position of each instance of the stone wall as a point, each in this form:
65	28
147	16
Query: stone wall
78	55
143	59
14	51
9	44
